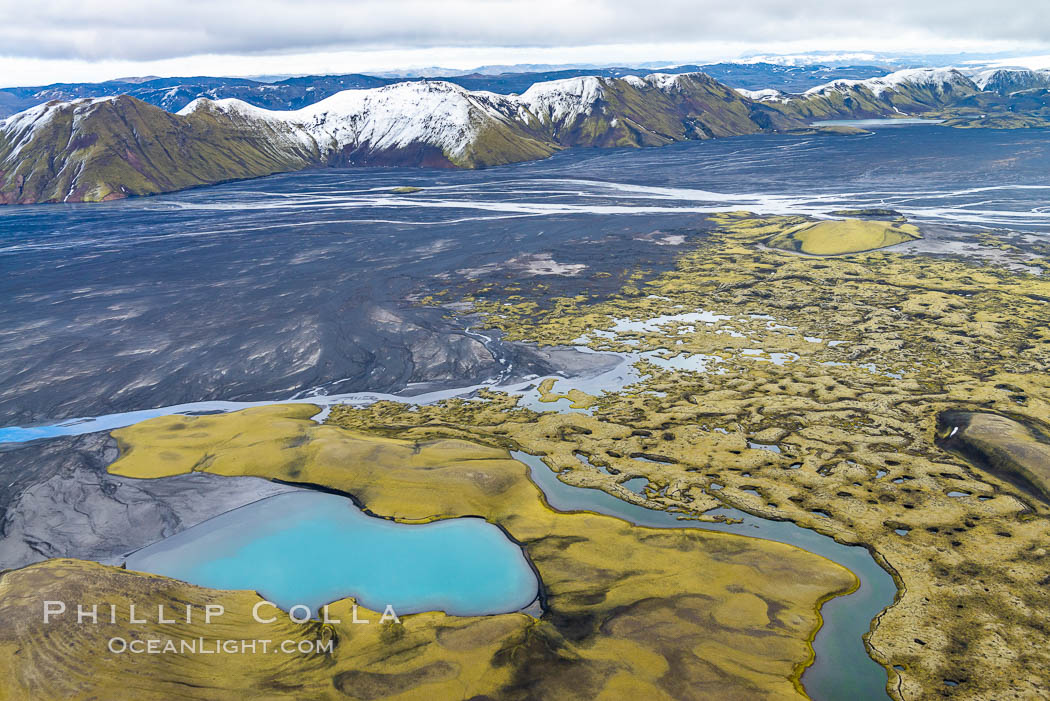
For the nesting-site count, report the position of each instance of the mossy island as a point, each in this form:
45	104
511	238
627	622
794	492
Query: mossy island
835	238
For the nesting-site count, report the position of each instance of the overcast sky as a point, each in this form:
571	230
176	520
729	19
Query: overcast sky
51	40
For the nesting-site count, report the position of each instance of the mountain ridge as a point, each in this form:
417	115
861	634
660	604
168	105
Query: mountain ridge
902	92
97	149
1001	98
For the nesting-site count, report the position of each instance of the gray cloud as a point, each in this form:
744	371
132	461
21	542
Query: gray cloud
159	29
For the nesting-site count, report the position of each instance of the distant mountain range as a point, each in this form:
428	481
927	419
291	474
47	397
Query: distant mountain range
172	94
102	148
997	98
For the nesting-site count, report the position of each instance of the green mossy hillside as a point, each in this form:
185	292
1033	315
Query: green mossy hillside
91	151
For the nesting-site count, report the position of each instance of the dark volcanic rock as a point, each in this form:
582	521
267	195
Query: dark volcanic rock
75	509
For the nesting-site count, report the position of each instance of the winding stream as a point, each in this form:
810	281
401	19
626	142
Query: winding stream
622	374
842	668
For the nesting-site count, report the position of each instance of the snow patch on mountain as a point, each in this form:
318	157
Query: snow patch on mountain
41	114
560	101
1006	81
665	81
939	79
395	116
767	95
21	128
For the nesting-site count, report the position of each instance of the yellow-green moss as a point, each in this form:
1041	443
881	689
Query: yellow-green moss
832	238
578	399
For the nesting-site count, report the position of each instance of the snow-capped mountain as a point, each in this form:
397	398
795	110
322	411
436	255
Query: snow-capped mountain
998	98
909	91
1005	81
560	101
101	149
97	149
939	81
419	123
478	128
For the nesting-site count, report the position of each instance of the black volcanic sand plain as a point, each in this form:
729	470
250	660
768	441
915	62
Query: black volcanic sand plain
262	289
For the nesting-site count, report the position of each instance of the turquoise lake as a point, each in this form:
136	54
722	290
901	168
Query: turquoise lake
312	548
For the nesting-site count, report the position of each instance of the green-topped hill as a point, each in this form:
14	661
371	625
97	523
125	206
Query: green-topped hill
833	238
